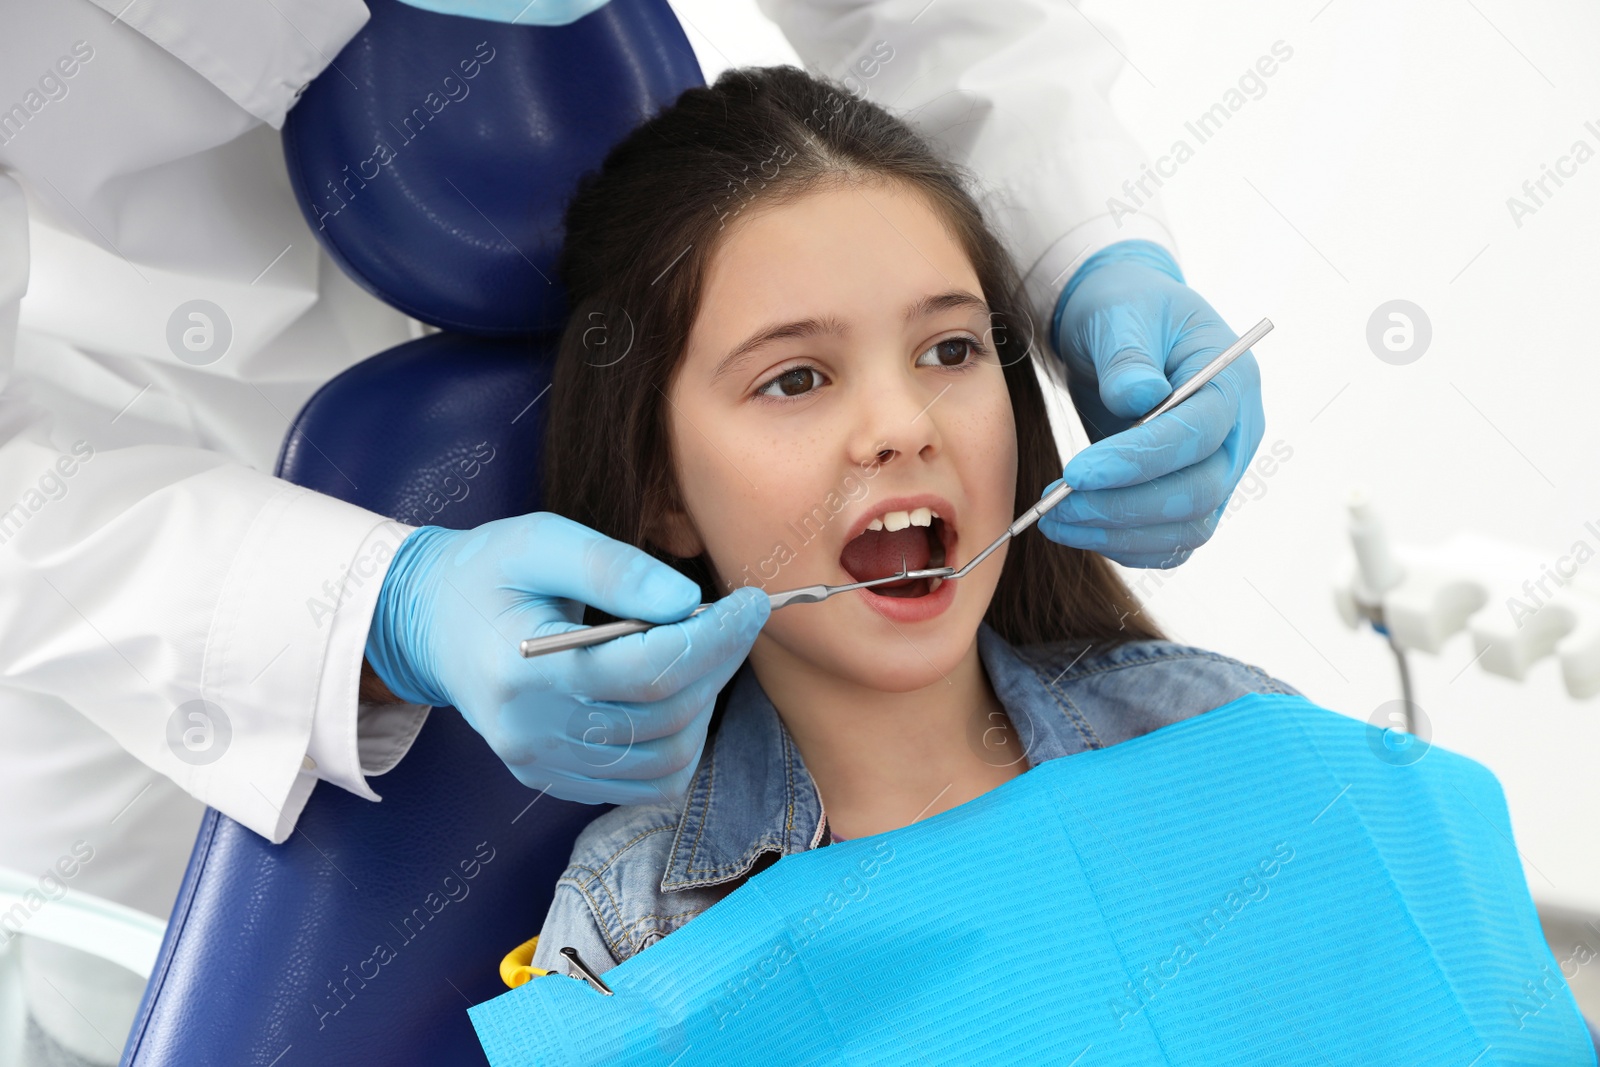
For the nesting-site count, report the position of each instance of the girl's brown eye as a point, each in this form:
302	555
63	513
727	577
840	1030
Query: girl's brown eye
958	348
793	382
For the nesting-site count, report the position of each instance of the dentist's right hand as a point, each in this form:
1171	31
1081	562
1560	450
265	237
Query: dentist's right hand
622	722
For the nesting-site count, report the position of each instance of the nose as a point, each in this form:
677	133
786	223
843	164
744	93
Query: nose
898	416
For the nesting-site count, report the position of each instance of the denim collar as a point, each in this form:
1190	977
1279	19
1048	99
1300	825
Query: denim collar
752	794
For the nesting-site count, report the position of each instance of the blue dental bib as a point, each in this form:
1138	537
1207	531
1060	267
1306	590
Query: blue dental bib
1254	885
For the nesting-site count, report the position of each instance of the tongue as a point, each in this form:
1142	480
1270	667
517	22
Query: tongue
876	553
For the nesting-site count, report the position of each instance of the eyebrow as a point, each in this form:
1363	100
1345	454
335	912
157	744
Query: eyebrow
813	327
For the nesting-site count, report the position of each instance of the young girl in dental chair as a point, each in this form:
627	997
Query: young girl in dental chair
798	354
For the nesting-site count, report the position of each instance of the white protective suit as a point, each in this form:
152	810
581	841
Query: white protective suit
148	557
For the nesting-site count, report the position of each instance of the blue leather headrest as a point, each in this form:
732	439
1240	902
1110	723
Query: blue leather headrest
435	156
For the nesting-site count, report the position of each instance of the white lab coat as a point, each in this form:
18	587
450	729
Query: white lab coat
169	565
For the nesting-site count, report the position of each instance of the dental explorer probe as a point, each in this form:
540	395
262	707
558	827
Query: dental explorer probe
808	594
1176	397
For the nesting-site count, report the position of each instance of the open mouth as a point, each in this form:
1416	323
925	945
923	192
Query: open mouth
919	535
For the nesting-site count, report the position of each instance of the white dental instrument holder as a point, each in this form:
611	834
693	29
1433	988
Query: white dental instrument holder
1424	596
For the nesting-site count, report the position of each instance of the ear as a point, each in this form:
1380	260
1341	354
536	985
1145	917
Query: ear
673	531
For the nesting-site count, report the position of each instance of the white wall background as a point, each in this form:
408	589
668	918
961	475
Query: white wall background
1377	167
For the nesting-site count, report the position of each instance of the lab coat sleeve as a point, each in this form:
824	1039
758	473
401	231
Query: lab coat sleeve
260	54
1015	90
199	612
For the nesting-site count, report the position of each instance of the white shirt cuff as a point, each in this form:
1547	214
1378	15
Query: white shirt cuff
304	579
351	740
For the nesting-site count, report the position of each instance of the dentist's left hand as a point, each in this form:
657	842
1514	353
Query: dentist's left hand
622	722
1130	330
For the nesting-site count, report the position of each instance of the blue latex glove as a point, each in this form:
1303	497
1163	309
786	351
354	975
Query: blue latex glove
1130	330
622	722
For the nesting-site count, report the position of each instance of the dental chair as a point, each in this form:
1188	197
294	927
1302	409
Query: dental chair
272	954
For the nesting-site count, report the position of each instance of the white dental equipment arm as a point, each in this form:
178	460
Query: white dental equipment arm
1515	604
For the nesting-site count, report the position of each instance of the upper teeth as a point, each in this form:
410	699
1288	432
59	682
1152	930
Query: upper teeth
899	520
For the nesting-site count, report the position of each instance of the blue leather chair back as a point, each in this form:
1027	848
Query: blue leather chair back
364	938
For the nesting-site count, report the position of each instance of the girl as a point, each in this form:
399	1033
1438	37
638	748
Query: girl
797	354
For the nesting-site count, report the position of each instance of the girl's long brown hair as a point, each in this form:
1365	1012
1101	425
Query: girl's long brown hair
640	233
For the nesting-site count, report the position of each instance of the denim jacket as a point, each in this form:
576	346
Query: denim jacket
640	871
